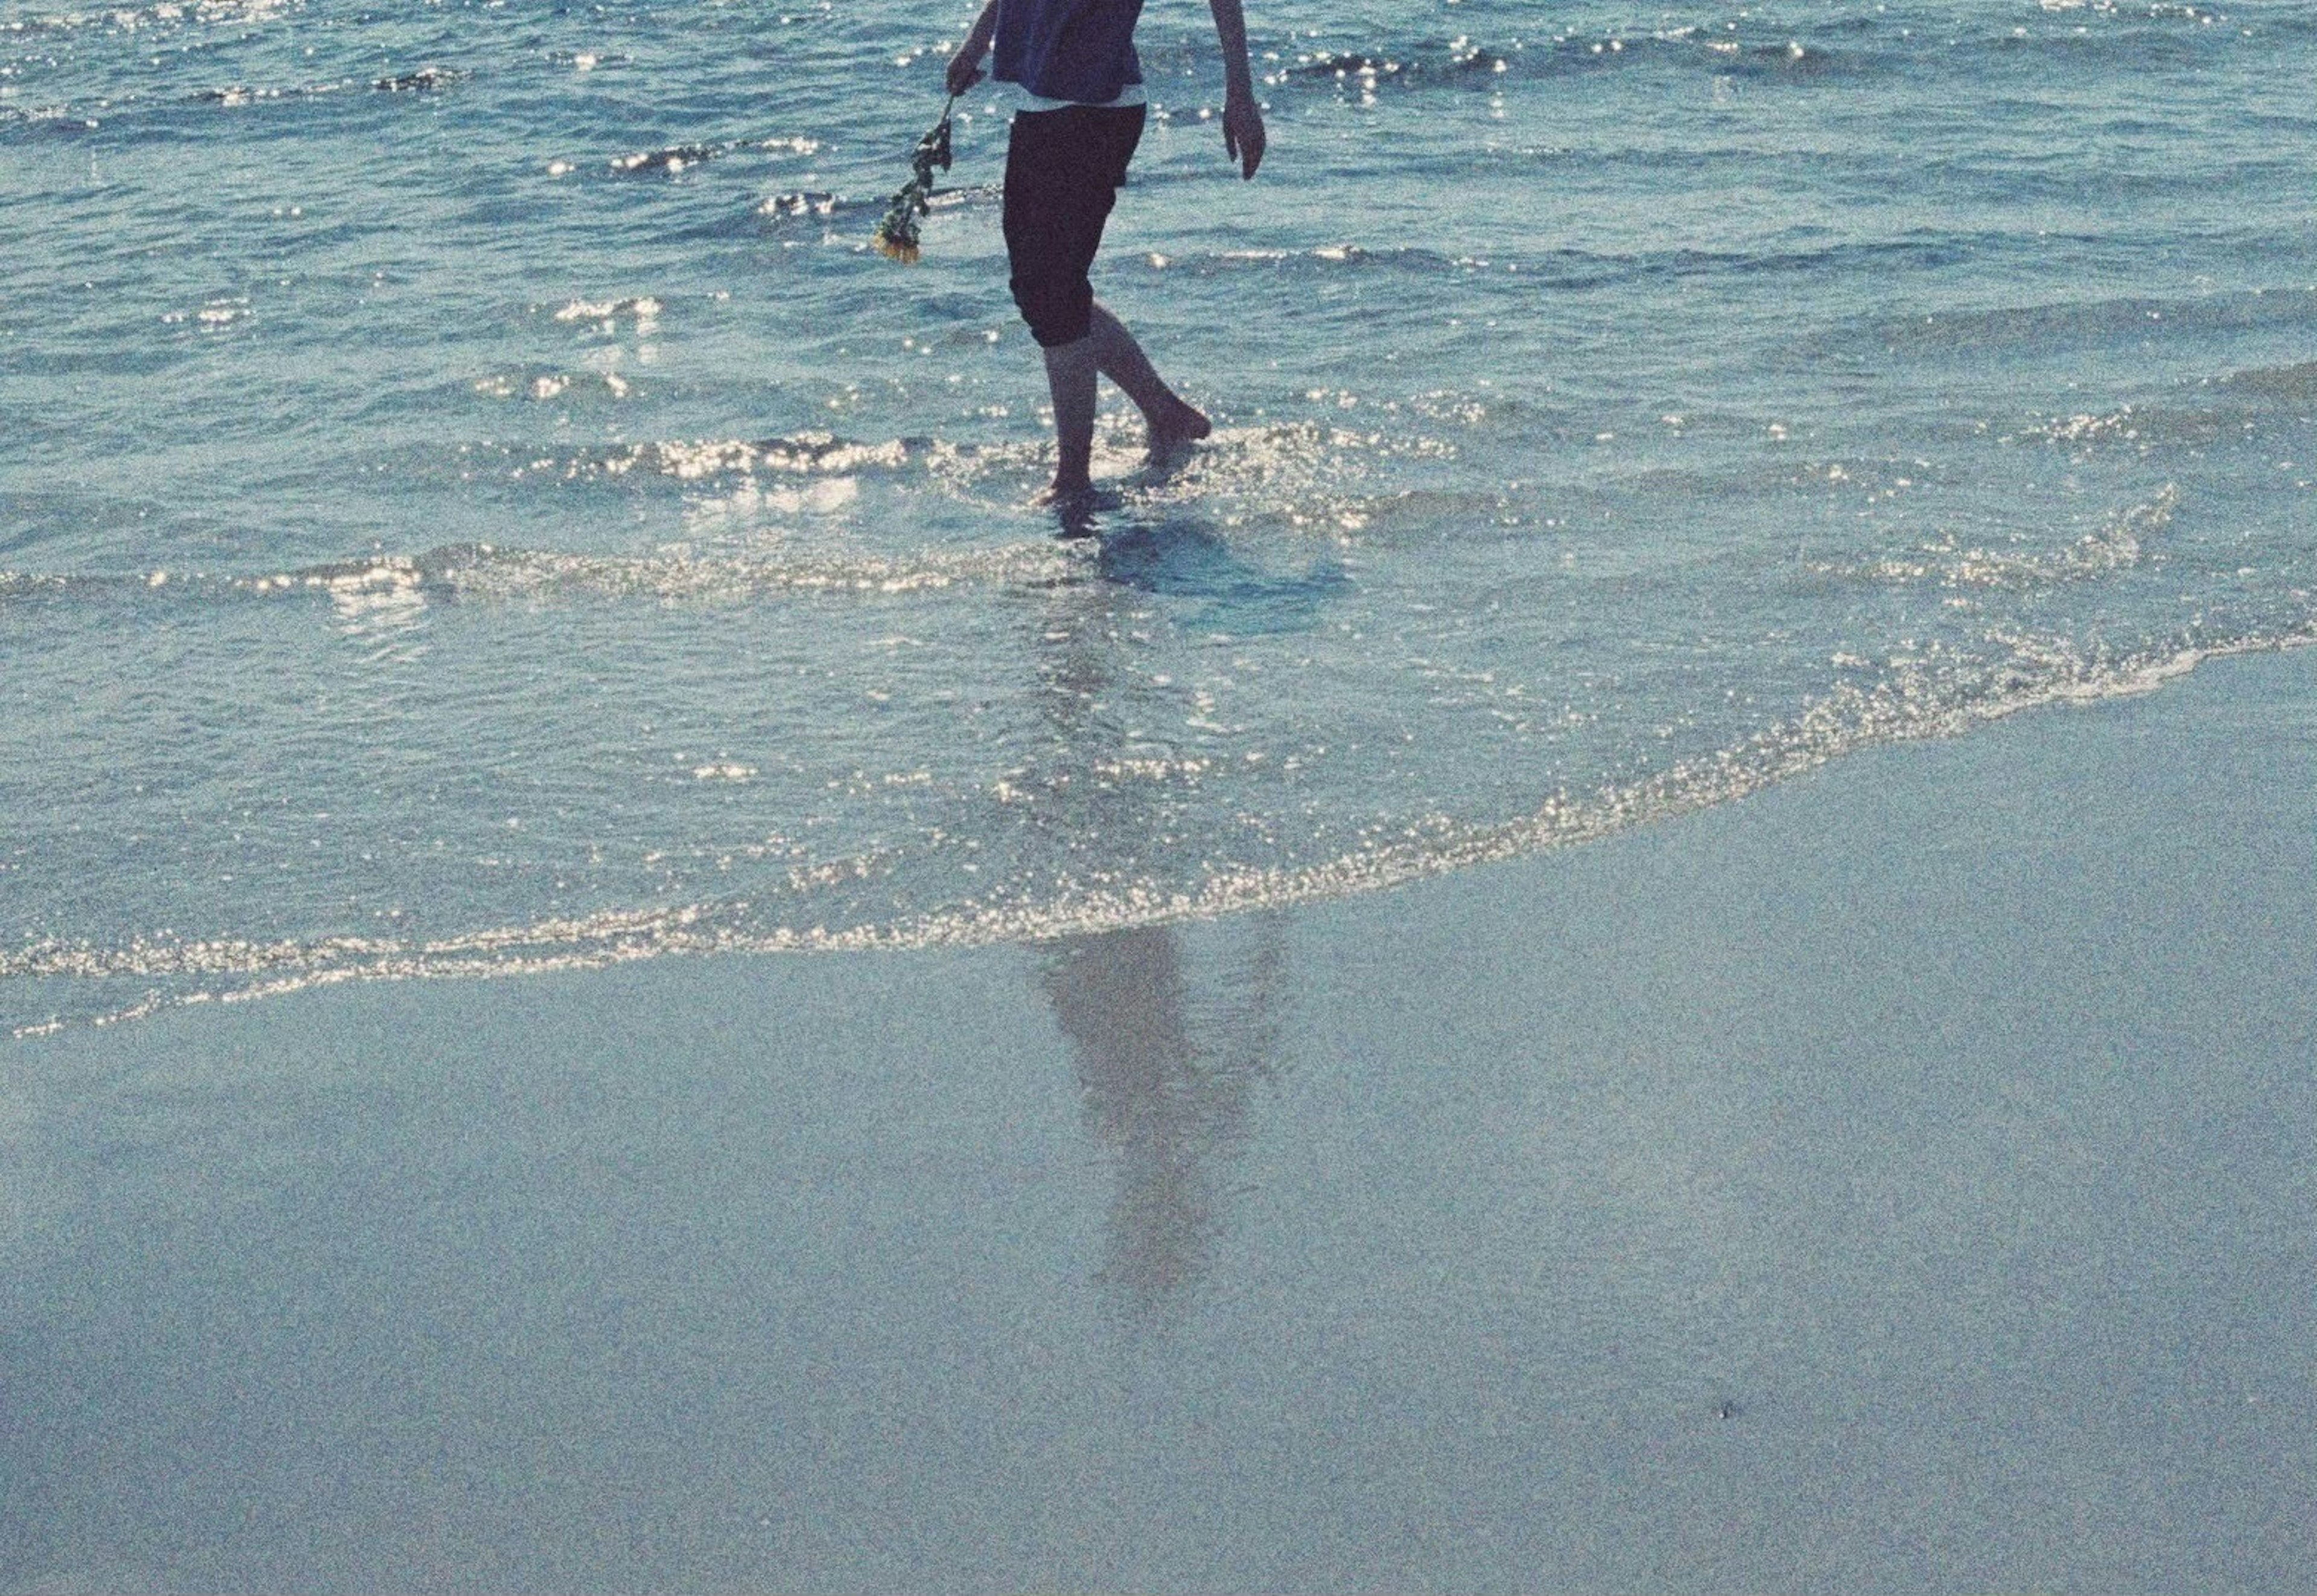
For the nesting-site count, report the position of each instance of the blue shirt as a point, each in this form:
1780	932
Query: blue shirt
1069	50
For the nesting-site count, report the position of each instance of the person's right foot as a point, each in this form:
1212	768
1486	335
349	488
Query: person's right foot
1178	426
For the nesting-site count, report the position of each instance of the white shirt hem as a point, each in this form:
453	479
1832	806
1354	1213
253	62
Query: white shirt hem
1131	94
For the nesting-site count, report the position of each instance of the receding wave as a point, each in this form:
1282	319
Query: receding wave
1566	268
508	574
668	161
1914	703
2294	384
132	19
421	80
2231	406
1286	464
805	454
1748	48
482	572
2119	545
2095	320
1465	61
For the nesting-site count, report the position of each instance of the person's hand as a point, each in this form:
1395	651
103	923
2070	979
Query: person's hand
965	67
1243	136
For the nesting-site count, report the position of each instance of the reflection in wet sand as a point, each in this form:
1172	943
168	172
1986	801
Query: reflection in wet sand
1170	1106
1166	1062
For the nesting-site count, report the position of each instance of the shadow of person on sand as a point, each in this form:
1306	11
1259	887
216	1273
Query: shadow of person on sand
1172	554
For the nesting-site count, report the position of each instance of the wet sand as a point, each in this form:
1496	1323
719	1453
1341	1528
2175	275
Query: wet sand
1900	1179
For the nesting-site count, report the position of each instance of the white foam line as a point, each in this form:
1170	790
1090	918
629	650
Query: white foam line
1848	722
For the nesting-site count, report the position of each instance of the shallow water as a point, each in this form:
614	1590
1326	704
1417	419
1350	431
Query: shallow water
470	500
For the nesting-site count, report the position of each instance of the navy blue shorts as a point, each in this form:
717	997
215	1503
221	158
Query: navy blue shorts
1063	169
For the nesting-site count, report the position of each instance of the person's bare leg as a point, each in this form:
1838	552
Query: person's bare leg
1070	370
1120	358
1109	350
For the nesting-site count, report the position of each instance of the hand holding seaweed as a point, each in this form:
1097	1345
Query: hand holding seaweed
897	236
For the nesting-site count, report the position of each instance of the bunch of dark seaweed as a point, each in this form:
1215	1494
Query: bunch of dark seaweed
896	234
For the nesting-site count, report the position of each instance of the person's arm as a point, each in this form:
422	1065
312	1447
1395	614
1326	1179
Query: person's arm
1243	137
965	67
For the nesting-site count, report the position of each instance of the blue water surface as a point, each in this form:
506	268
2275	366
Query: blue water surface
471	500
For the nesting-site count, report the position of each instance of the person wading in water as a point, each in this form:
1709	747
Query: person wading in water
1073	64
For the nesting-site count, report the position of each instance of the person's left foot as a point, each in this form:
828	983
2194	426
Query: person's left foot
1063	492
1076	509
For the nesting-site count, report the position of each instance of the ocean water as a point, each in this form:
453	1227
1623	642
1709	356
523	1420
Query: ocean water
472	501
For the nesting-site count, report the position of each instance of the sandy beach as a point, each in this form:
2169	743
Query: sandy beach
1745	1203
1647	927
